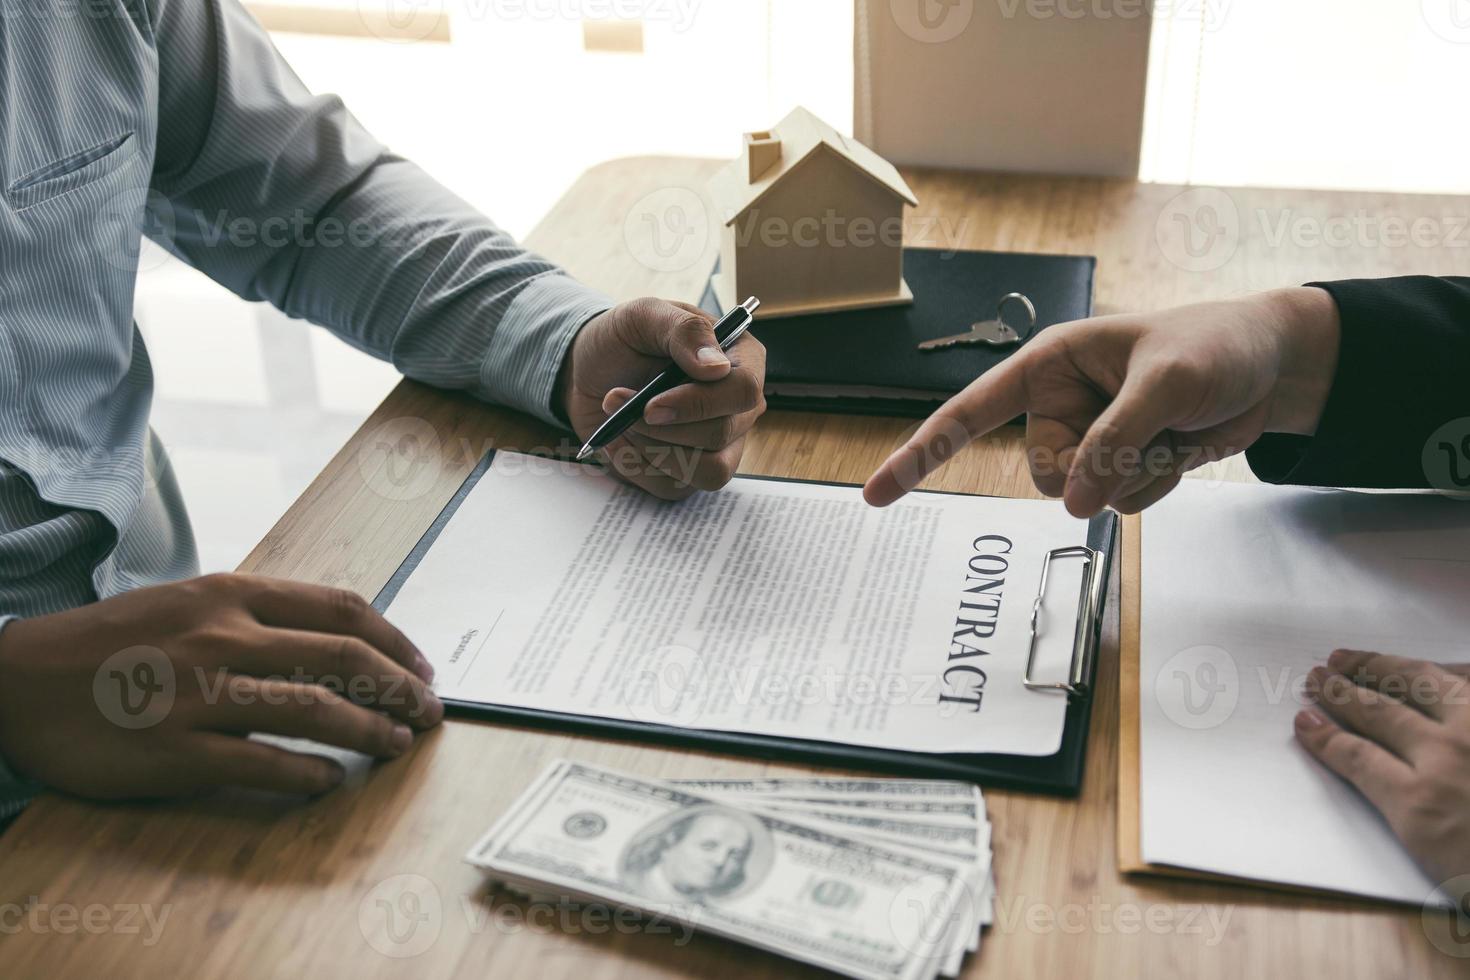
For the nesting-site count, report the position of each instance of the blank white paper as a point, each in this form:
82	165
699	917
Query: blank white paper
1246	588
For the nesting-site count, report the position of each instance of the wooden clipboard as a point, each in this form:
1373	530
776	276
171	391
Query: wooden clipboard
1130	822
1130	825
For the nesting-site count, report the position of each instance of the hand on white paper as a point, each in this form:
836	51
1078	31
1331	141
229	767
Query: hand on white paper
691	438
1119	407
152	692
1399	730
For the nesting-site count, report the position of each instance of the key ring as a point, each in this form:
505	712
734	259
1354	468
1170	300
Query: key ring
994	333
1000	307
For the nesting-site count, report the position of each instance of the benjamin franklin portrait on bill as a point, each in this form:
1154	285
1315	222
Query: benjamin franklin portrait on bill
702	854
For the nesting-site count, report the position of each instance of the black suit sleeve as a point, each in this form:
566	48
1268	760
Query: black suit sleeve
1403	378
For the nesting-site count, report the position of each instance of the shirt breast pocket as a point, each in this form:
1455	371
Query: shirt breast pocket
72	172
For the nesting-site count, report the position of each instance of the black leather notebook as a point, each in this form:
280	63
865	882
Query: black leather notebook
868	361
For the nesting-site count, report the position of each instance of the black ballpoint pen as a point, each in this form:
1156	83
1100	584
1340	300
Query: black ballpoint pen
730	328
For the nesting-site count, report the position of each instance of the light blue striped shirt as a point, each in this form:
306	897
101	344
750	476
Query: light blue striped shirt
178	119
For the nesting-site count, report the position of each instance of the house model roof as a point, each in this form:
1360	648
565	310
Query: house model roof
802	137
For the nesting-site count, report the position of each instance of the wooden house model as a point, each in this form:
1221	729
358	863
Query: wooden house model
812	222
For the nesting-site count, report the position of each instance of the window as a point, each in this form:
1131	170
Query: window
1350	94
527	94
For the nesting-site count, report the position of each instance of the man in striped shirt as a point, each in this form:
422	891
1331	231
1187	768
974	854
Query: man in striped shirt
182	114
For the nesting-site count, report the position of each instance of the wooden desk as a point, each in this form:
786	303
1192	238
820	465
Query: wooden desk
256	887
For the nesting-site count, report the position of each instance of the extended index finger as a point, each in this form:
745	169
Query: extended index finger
989	402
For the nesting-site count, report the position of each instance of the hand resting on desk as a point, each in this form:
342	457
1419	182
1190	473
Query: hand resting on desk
151	693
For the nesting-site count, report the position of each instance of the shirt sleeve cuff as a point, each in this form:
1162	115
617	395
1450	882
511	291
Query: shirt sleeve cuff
15	792
1273	458
1399	377
531	341
1321	459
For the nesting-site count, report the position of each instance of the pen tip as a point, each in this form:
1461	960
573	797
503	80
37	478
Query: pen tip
584	452
751	305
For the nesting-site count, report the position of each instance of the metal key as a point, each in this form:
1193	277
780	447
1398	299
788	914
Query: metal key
996	332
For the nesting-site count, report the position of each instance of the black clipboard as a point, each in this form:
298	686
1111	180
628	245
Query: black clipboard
1059	774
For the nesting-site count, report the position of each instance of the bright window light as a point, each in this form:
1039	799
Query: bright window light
1350	94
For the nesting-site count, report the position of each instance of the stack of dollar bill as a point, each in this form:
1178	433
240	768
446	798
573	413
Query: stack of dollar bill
882	878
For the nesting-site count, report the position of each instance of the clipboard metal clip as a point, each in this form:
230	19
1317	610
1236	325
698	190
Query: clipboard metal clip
1084	639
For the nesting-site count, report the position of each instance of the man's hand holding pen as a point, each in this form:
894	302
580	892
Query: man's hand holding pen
691	437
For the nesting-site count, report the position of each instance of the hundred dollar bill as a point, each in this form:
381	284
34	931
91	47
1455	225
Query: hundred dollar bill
855	907
980	892
959	843
948	832
975	852
930	796
928	809
980	882
934	789
891	827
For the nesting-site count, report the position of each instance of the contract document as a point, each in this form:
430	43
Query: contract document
1245	589
773	607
